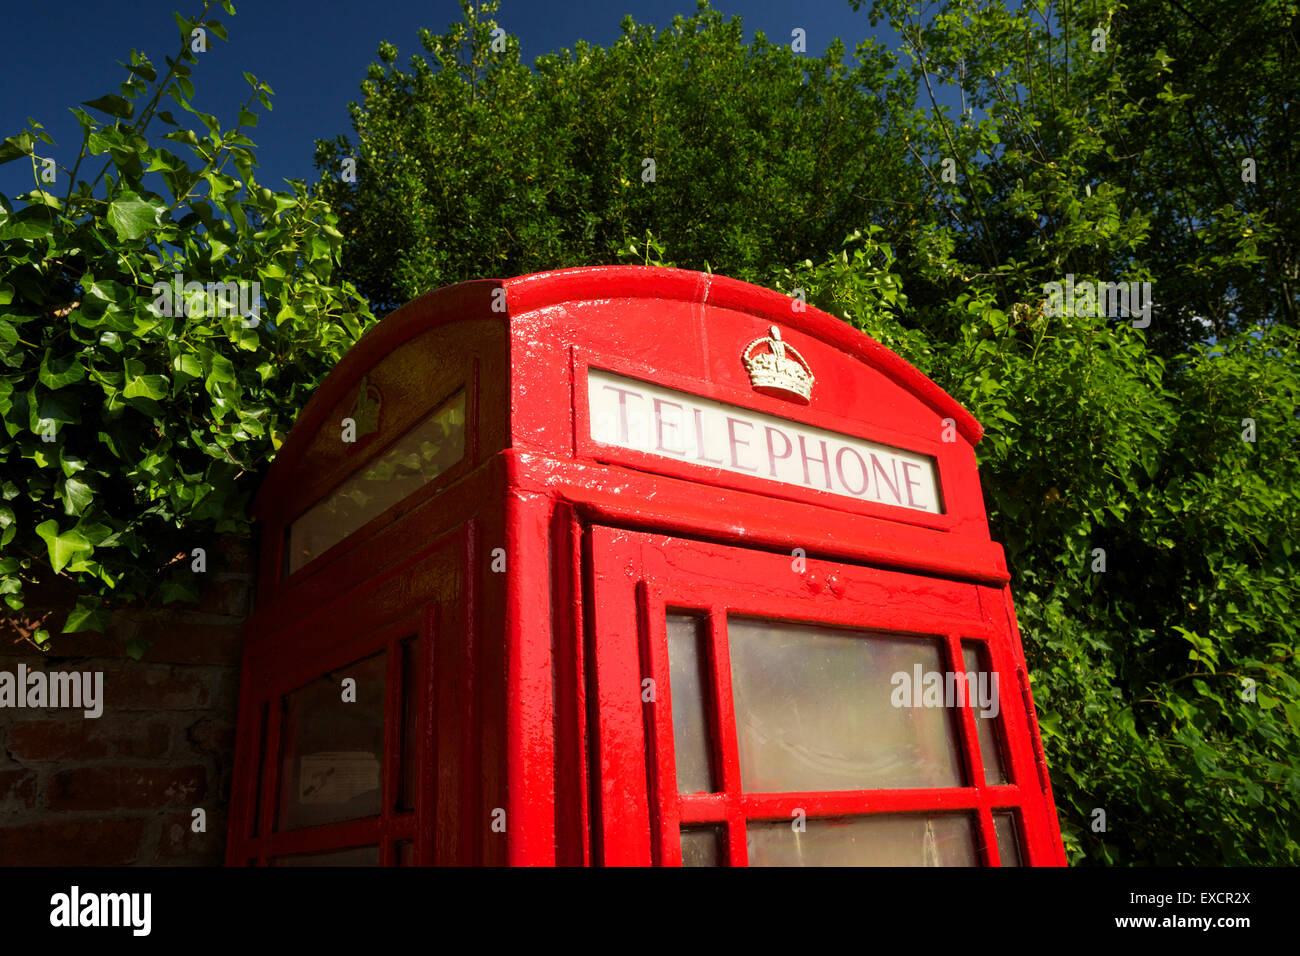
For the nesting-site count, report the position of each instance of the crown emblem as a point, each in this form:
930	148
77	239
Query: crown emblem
775	372
365	411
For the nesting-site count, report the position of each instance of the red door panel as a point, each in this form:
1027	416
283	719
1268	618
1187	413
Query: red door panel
761	708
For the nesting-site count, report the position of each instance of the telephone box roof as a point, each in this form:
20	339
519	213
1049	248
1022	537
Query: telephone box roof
527	294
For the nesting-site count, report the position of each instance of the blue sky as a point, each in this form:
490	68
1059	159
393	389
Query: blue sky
313	53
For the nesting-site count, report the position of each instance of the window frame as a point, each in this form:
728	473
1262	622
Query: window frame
264	842
289	642
392	825
368	455
675	575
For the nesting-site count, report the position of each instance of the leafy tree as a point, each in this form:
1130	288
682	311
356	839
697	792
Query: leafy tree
1212	154
468	164
135	422
1105	141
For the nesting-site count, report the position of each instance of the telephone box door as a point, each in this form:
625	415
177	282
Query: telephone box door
761	708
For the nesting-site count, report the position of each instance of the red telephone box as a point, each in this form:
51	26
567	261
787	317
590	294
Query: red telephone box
628	565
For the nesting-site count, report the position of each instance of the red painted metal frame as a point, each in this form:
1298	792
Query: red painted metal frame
525	706
376	617
540	292
391	825
639	578
467	462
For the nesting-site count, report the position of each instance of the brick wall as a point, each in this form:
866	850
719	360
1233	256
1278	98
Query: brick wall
121	788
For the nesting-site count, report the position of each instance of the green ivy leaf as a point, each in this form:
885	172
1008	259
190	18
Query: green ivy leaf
56	373
136	646
131	217
88	615
15	147
187	364
33	222
146	386
175	590
63	548
77	495
113	105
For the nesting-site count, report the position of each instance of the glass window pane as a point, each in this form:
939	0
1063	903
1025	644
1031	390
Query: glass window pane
415	459
984	699
263	758
1004	825
702	846
356	856
686	663
333	748
887	839
820	708
410	701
